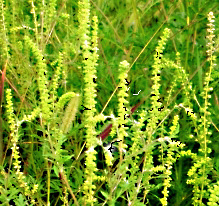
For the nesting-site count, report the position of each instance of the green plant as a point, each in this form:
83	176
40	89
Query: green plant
71	64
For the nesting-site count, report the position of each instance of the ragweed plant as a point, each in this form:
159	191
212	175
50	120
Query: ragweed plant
90	62
199	172
122	106
42	80
14	127
52	142
171	158
155	109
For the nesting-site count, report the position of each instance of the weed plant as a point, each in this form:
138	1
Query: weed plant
69	68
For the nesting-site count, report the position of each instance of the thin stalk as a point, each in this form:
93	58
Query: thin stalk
1	121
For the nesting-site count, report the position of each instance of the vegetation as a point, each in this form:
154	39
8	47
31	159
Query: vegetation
69	68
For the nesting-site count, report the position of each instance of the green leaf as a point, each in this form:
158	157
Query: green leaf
105	194
56	170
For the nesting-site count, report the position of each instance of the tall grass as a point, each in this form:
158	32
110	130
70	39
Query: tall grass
74	67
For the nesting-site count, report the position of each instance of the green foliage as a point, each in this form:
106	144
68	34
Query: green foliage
71	64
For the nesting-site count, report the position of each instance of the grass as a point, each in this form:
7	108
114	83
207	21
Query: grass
71	68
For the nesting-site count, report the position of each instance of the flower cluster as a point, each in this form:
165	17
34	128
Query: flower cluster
42	79
155	94
170	158
89	44
15	149
203	163
123	103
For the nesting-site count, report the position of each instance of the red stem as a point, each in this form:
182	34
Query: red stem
106	132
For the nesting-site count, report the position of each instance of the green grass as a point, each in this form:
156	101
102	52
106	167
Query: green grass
71	68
